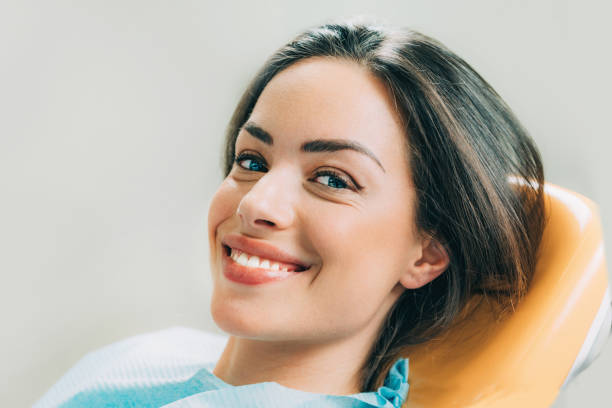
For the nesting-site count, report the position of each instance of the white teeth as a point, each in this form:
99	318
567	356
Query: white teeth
243	259
255	262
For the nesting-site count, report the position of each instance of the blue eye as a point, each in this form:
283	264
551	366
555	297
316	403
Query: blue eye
327	178
250	162
333	180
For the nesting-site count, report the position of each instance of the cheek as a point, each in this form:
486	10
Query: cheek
377	235
364	252
222	206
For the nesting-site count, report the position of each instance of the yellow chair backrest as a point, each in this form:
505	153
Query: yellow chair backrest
527	357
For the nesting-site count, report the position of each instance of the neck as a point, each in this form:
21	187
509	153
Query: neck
329	368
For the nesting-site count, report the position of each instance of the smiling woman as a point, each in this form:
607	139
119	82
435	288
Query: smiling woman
320	172
367	197
381	160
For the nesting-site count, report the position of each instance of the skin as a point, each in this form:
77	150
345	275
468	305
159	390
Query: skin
313	331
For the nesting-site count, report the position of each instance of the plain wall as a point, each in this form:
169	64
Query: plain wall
112	117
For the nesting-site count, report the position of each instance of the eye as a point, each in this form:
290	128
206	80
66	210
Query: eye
334	180
250	162
327	178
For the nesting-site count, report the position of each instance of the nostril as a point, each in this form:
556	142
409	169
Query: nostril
270	223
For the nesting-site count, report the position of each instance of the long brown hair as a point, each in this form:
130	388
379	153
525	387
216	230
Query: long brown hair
464	145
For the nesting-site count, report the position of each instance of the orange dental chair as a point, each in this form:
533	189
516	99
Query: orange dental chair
555	332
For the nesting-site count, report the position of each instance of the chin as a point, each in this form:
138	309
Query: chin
236	318
241	318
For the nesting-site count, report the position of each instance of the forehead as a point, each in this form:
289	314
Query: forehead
325	97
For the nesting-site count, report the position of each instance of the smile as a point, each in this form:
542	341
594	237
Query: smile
254	261
248	269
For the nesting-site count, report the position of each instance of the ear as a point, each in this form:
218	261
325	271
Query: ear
432	262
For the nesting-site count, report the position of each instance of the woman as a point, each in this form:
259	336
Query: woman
374	183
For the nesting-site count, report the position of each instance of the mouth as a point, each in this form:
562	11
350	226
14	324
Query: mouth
253	261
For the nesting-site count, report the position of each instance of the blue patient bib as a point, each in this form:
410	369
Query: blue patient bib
173	369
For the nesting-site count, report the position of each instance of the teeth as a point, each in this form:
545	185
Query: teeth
243	259
255	262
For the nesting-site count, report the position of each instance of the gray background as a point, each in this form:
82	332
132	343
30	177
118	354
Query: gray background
112	115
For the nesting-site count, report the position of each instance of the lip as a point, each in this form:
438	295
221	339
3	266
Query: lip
245	275
262	250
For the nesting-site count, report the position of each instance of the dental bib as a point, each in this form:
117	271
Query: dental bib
173	369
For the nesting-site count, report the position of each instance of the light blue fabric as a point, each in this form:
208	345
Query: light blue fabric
159	370
206	390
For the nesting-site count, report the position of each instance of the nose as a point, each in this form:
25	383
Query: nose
269	204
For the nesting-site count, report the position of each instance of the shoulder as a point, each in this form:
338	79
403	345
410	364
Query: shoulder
164	356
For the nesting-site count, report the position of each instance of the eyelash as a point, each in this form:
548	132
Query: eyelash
350	184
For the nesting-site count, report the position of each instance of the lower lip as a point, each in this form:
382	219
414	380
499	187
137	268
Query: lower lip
251	276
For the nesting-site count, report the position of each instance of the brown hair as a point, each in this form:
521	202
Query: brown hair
465	145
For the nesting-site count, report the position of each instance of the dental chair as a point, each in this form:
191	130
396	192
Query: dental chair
555	332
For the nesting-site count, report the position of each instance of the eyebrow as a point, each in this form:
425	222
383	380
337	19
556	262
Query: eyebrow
318	145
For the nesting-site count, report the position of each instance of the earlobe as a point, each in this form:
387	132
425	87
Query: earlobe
433	261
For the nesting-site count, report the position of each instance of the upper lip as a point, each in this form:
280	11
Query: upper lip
261	249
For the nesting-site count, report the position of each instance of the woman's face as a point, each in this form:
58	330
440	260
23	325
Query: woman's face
321	182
